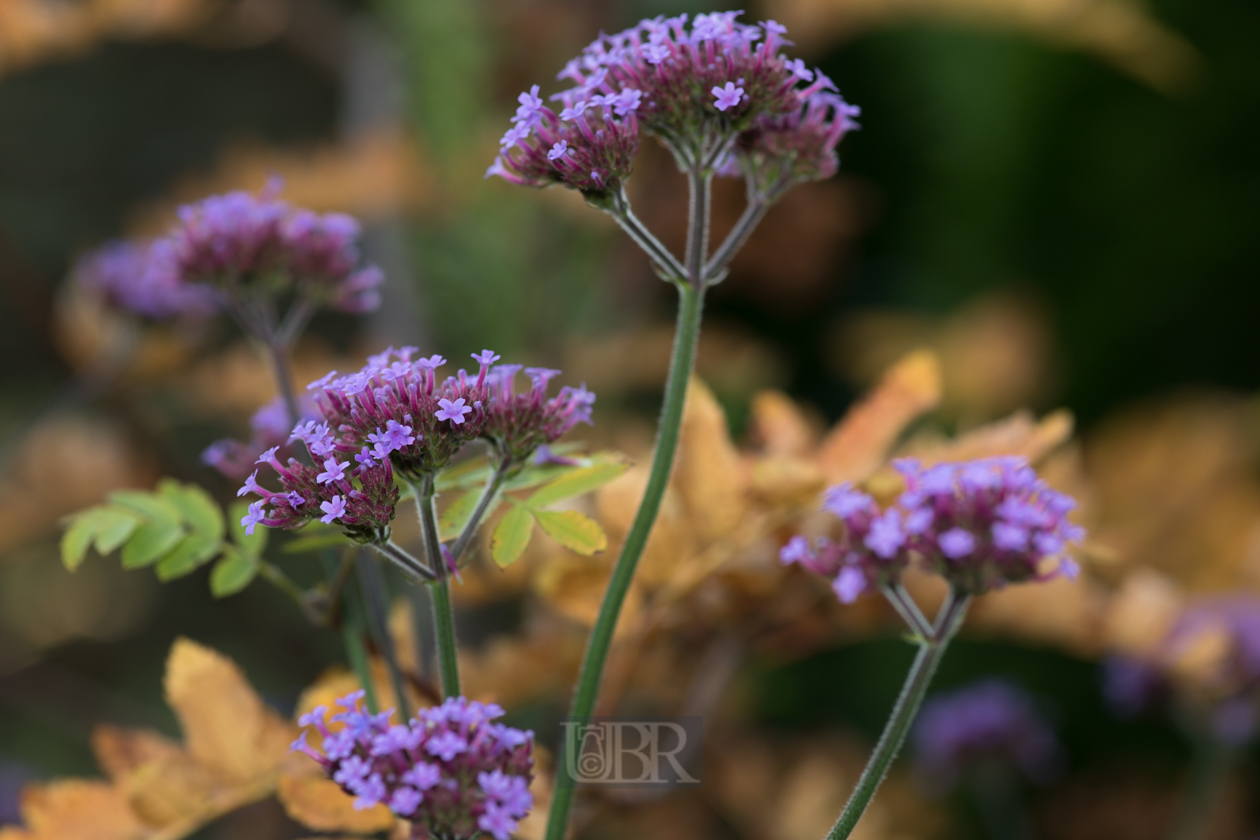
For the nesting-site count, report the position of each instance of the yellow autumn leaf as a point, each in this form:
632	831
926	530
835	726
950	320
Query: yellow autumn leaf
76	809
708	473
321	805
227	727
858	445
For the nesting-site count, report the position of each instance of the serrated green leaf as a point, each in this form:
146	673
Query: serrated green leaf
315	542
189	554
235	571
78	536
195	505
511	535
576	482
573	530
149	542
151	506
251	545
116	525
456	515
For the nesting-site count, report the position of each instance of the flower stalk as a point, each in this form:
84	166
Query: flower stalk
682	361
931	652
439	589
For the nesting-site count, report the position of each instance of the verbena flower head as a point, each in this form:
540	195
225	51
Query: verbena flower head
132	277
696	88
980	524
992	722
1209	663
451	770
396	409
259	245
520	423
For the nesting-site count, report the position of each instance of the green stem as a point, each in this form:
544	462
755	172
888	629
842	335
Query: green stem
352	638
439	591
1209	772
493	486
688	330
276	576
931	651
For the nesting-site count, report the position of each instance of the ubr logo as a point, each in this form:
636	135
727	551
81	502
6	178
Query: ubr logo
632	752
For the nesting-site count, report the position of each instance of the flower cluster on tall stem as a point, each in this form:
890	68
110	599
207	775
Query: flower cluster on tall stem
697	89
980	524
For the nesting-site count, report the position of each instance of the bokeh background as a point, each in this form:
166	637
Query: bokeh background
1058	197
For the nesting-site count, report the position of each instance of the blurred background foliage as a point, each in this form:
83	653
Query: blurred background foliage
1054	195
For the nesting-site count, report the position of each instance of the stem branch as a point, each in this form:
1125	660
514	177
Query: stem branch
439	590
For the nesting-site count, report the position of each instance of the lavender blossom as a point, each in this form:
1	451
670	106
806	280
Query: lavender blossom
451	771
259	246
993	721
270	427
695	89
980	524
132	276
519	424
783	149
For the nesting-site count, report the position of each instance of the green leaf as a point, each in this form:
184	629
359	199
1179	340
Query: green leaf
316	541
115	526
456	515
150	505
577	482
235	571
192	552
573	530
254	545
77	538
511	535
195	505
150	541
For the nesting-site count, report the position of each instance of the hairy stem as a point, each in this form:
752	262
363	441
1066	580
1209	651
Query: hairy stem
931	651
410	566
701	181
439	590
691	300
488	495
666	263
753	213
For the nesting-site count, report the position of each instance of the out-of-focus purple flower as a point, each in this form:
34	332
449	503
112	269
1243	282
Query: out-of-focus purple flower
452	770
980	524
993	721
1221	690
134	276
259	246
270	427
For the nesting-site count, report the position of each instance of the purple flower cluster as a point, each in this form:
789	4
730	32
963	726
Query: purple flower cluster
452	771
519	424
780	150
267	246
696	89
1224	690
992	721
980	524
269	427
130	276
395	414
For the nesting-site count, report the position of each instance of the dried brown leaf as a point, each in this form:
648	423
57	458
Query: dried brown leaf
171	790
321	805
120	751
858	445
778	426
